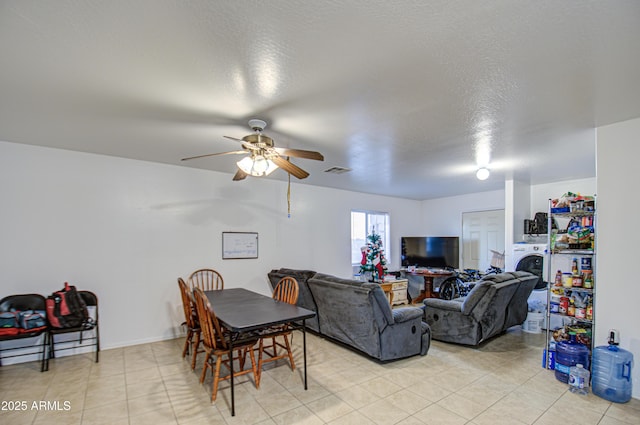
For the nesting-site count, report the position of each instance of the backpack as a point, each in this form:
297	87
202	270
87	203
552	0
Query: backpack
31	320
541	223
66	309
19	322
8	323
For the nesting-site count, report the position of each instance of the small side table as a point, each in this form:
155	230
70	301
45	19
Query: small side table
387	287
399	289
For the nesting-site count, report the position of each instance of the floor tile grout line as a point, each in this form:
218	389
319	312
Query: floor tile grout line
443	359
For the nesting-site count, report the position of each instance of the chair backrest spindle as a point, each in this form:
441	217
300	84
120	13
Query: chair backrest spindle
187	304
211	329
286	290
206	279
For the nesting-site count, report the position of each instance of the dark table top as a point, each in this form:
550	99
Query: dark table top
241	310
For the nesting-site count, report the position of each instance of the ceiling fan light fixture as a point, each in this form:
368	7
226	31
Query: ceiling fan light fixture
482	173
257	166
260	165
263	157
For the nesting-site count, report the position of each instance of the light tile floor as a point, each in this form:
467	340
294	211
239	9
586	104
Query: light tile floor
501	382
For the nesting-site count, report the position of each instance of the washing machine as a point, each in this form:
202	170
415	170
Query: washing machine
532	258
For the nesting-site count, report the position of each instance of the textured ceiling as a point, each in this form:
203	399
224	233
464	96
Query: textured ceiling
407	94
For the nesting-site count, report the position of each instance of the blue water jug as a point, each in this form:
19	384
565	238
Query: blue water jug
611	373
570	353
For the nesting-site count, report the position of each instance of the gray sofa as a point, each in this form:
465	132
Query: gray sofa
496	303
358	314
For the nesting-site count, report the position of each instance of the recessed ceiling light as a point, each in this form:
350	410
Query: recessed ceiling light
482	173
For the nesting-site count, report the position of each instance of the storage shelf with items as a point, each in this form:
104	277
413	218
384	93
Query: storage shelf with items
572	283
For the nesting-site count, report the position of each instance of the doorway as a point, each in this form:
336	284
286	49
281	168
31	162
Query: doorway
482	231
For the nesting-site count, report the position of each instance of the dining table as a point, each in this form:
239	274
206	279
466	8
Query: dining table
241	311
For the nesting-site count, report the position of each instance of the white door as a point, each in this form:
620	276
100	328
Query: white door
482	231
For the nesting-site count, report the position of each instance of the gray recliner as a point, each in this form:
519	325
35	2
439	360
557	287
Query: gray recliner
496	303
358	314
518	308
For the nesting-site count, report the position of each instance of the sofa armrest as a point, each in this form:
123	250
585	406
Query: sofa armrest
448	305
405	337
449	322
405	314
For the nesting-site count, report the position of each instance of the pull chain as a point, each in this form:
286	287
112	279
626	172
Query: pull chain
289	197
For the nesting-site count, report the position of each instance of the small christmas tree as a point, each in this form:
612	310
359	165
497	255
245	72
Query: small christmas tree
373	259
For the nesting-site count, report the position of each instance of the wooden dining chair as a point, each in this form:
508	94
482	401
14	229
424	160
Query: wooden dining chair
193	340
216	346
206	279
286	291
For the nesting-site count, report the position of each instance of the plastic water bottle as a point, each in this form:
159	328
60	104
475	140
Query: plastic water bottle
612	368
579	380
568	354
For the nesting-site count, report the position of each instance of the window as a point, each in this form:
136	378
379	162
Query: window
364	223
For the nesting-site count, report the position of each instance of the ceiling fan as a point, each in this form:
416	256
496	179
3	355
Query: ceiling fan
262	156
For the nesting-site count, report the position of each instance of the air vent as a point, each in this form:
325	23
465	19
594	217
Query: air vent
337	170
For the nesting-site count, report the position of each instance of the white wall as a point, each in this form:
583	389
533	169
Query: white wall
517	206
443	216
127	229
618	290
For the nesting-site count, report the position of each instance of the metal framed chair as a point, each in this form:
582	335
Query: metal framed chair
192	341
206	279
286	291
24	302
216	346
81	339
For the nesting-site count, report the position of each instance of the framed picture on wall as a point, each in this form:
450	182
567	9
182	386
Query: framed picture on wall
239	245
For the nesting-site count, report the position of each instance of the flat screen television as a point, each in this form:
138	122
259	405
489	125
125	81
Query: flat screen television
430	251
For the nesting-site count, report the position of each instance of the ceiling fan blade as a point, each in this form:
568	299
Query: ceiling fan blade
240	175
215	154
290	168
299	153
244	143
